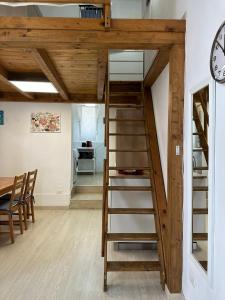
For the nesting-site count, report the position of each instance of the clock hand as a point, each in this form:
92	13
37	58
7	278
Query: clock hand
221	47
224	43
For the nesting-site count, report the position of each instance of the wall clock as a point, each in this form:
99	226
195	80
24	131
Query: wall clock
217	59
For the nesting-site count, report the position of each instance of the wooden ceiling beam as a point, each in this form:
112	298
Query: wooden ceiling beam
101	73
122	25
28	76
69	39
107	16
43	60
5	80
79	33
159	63
72	45
125	86
48	98
57	2
55	98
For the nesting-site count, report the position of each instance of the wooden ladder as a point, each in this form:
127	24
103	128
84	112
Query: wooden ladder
148	173
201	99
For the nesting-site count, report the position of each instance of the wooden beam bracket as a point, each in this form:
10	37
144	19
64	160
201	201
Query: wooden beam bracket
43	60
5	80
102	72
107	16
160	62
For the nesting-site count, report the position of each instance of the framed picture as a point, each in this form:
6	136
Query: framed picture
45	122
1	117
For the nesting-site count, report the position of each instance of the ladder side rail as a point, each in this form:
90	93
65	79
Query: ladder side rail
157	182
106	206
200	130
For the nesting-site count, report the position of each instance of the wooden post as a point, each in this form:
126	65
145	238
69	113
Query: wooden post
107	16
175	165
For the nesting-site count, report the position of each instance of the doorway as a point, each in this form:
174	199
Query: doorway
88	155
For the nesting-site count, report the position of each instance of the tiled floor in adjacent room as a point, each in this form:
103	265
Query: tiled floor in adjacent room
59	258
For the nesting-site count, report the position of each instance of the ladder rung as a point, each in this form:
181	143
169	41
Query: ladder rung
204	264
131	211
124	106
133	266
129	176
128	168
130	188
200	177
200	188
126	120
200	236
129	93
128	134
132	237
200	168
200	149
200	211
128	150
196	133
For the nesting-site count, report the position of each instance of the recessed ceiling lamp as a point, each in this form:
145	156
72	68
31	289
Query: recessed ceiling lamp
35	86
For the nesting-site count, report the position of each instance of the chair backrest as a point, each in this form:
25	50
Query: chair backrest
30	184
18	188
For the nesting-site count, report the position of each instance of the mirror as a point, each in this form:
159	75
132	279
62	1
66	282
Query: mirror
200	157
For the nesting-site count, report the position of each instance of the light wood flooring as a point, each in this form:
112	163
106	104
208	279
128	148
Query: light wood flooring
59	258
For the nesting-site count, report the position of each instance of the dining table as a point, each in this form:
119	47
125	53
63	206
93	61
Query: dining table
6	185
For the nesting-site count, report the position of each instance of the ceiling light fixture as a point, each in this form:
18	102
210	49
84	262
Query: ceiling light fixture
35	86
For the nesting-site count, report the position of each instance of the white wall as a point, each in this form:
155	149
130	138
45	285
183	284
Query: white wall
12	11
203	20
50	153
69	11
131	9
160	103
126	65
127	9
161	9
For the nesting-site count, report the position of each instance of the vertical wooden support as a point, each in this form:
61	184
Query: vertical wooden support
175	165
157	181
107	16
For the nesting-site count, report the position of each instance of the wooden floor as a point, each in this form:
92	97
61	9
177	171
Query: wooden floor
59	258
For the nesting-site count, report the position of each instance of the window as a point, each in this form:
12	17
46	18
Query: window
88	124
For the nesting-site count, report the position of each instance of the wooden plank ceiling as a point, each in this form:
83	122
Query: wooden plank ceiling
73	72
72	53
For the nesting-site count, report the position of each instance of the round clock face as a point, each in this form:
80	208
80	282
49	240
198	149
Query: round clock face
217	60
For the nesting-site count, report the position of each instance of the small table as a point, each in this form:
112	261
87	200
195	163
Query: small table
6	185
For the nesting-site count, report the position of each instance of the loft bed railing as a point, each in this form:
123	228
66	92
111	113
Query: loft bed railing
88	8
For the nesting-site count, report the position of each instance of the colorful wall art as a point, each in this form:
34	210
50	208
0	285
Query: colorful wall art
45	122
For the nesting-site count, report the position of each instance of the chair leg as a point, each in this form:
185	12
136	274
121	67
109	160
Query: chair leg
28	210
20	219
25	216
11	230
32	210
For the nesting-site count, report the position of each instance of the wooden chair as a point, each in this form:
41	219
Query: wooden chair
9	207
28	197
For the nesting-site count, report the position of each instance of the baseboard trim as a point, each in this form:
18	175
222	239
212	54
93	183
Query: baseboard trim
50	199
86	204
173	296
52	207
